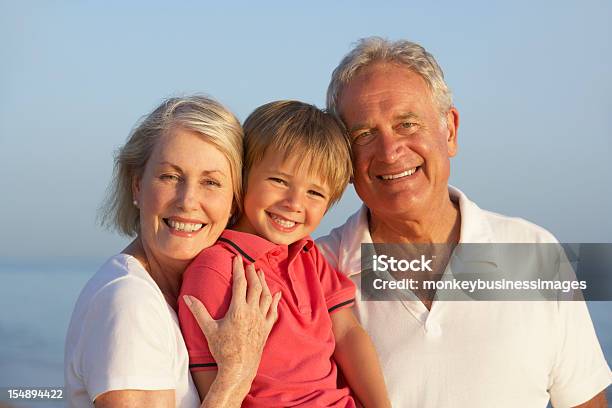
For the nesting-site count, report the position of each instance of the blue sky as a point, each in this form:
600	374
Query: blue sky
531	82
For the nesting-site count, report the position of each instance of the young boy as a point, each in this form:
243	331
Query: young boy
297	164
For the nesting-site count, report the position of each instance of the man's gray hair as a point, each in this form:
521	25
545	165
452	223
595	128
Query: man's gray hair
371	50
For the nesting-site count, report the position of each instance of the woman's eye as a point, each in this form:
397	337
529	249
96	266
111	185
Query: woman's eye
170	177
211	182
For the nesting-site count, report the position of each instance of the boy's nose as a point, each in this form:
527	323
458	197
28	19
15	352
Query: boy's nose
293	201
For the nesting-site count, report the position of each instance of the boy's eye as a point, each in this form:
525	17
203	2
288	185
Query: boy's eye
278	180
316	193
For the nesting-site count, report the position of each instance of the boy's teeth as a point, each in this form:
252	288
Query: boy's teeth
282	222
399	175
184	226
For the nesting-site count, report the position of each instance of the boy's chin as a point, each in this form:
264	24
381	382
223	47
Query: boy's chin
280	241
284	239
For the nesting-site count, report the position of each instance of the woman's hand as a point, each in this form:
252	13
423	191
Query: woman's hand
237	340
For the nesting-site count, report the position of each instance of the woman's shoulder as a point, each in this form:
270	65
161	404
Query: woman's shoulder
121	282
119	302
121	270
121	331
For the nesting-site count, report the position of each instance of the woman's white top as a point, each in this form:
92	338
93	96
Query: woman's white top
124	335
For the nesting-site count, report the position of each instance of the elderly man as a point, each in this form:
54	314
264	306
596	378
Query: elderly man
398	111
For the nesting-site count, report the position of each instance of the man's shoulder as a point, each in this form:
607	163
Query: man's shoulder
478	225
515	229
354	224
343	236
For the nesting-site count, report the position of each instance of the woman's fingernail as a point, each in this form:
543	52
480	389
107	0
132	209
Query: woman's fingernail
187	300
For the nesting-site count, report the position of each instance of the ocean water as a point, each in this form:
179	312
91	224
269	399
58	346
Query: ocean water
36	302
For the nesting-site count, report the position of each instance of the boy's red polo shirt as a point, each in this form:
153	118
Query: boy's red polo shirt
296	366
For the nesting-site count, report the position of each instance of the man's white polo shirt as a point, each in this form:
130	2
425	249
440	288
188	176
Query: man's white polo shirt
476	354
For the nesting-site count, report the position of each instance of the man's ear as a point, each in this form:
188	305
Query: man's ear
452	125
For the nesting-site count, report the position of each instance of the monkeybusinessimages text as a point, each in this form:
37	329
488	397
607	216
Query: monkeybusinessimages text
385	263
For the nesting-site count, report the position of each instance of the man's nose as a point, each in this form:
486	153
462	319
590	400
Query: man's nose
390	146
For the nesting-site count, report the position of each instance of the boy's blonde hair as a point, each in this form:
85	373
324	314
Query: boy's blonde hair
295	128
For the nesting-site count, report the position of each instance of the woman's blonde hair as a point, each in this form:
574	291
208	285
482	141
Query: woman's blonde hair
203	115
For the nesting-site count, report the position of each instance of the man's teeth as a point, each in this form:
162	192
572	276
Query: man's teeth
281	221
399	175
184	226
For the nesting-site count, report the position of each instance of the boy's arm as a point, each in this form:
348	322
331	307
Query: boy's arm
356	356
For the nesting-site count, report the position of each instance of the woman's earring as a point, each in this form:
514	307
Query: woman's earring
135	202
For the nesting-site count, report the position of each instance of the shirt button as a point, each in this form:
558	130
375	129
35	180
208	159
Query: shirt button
275	252
433	329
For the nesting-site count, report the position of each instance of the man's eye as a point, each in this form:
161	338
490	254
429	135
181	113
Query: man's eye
364	137
408	127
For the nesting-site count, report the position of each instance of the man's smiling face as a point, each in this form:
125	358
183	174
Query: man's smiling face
401	144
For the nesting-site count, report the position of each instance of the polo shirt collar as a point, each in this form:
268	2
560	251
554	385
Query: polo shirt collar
356	233
475	228
252	247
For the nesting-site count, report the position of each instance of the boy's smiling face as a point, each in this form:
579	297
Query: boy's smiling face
283	203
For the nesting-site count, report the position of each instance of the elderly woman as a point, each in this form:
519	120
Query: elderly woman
177	185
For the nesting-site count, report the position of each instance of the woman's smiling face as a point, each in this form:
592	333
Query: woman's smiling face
184	195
